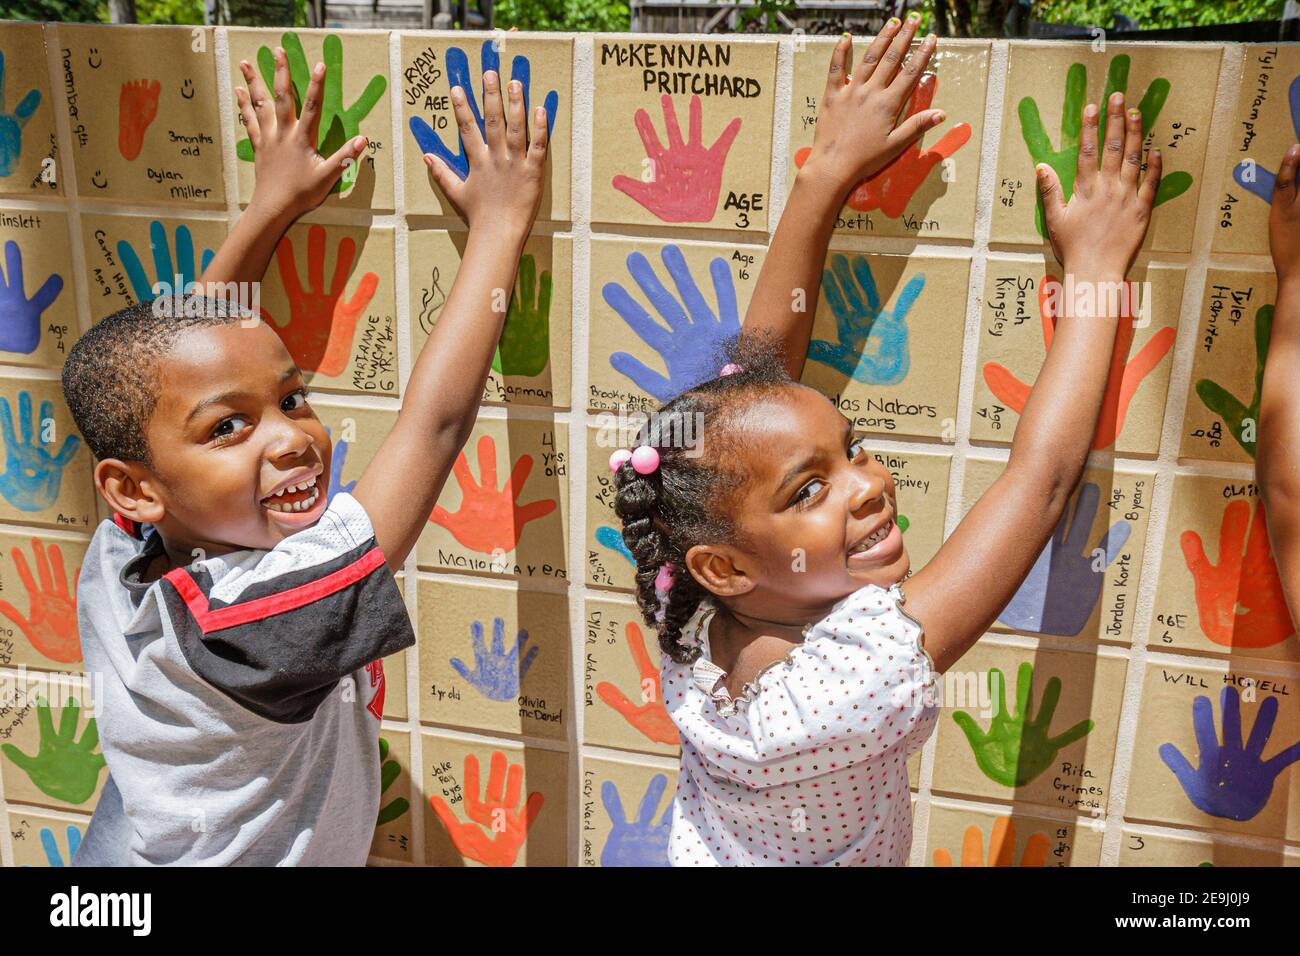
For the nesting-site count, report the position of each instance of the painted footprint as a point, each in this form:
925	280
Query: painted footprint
137	107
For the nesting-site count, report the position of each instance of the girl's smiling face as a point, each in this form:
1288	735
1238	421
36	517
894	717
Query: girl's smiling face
816	512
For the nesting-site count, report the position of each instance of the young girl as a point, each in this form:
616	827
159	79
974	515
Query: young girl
768	556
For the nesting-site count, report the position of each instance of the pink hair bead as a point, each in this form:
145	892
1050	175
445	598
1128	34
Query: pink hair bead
616	460
731	368
664	579
645	460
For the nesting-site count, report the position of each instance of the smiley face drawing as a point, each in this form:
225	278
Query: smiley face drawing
95	180
94	59
187	89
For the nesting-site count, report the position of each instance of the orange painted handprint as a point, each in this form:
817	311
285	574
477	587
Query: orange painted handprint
891	189
1239	600
1121	384
650	717
321	325
137	106
1002	844
489	519
498	812
52	627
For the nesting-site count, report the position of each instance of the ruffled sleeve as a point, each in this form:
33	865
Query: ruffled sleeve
861	685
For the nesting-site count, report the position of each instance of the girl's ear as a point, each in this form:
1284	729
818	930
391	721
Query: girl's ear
714	567
129	490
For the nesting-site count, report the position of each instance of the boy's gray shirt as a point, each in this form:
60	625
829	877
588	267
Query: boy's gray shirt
239	698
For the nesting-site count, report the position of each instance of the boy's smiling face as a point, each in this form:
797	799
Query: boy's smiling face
231	435
817	513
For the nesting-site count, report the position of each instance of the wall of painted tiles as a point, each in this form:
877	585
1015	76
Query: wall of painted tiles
1156	611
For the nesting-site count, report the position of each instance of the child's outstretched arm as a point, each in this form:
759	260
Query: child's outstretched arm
1277	463
1095	237
499	200
856	138
291	177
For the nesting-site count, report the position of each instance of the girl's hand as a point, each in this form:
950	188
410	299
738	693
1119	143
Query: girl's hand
506	167
292	178
856	136
1284	220
1099	232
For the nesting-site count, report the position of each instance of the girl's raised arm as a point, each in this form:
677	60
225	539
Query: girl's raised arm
1095	237
856	138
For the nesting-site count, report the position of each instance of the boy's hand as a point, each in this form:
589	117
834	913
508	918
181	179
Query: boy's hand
856	136
1284	220
292	178
1100	230
504	186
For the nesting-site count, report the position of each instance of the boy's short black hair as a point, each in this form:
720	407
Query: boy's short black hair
111	377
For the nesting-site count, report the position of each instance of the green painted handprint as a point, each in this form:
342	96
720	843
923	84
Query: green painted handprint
1017	747
525	345
1065	160
337	124
1241	420
64	768
389	770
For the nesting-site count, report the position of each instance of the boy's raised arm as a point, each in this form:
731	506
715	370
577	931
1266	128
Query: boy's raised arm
1096	237
499	200
1277	463
291	177
856	138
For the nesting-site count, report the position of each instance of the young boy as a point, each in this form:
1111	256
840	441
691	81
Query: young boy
236	620
1279	412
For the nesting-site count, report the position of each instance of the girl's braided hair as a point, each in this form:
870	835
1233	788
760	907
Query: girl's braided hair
681	504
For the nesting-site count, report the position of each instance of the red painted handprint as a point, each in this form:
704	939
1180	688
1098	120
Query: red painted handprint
891	189
650	717
137	106
1121	384
52	627
489	520
498	812
1240	600
321	325
686	178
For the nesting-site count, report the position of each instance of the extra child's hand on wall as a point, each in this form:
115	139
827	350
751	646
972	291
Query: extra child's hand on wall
856	132
1284	218
506	160
1101	228
292	177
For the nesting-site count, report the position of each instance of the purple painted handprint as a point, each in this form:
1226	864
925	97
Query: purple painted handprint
20	317
641	842
691	344
1062	588
1252	177
1233	782
498	674
337	458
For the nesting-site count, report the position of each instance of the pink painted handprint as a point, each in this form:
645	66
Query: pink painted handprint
686	178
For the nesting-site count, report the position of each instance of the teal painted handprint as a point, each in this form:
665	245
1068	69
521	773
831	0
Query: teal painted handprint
63	767
525	345
1241	420
338	123
389	771
1065	159
11	124
166	268
873	341
32	475
1018	746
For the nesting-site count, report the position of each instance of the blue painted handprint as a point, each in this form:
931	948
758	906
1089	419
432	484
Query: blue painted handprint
458	75
11	124
641	842
51	845
691	344
612	538
498	674
337	459
1233	781
1062	587
20	317
1249	175
32	475
872	345
162	261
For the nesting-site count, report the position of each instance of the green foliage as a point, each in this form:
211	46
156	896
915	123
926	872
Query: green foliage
169	11
1159	14
73	11
576	15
